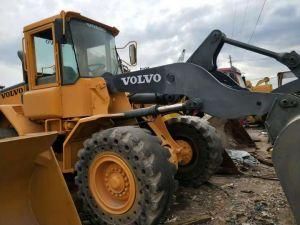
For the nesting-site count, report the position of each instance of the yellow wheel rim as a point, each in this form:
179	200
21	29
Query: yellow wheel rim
112	183
186	153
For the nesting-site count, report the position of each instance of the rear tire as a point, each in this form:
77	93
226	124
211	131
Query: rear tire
148	162
206	148
7	132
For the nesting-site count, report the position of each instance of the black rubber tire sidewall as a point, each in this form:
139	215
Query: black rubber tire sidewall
206	145
155	174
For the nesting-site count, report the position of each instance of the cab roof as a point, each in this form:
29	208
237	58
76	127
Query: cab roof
66	16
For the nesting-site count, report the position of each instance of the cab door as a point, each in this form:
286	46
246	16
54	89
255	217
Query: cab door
43	100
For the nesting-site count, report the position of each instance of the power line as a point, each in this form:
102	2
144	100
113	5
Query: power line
234	16
244	18
262	8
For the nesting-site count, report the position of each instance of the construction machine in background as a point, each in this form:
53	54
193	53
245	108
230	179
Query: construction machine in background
72	112
262	85
235	74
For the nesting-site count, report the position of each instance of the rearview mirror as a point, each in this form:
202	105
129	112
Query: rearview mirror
132	45
132	54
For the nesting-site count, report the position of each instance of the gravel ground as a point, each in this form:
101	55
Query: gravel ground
254	198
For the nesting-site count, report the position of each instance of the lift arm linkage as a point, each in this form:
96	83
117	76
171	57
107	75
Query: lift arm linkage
194	79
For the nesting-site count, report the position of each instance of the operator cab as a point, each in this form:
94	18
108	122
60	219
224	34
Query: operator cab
65	57
66	47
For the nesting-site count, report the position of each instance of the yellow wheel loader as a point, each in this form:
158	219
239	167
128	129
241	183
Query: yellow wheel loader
71	120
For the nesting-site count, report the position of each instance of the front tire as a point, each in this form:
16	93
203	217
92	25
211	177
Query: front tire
124	177
204	155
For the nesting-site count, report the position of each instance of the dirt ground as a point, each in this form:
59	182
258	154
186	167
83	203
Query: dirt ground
253	198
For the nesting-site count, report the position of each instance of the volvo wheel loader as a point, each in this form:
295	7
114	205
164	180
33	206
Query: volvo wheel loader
72	116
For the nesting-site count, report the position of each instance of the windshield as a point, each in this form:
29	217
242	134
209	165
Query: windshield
95	49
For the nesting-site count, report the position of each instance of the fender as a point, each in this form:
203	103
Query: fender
15	116
83	129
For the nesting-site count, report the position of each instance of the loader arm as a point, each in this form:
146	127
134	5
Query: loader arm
194	82
213	97
197	79
207	53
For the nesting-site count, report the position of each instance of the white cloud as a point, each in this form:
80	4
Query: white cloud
162	28
11	74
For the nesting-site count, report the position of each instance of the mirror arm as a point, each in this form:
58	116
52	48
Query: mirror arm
128	43
128	64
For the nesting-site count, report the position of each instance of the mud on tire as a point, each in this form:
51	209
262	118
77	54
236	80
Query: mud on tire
154	175
206	146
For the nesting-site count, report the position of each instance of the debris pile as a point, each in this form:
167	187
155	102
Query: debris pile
242	158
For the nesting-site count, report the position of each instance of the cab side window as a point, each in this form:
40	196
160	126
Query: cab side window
44	57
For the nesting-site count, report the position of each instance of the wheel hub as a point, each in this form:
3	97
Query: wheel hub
186	153
117	181
112	183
